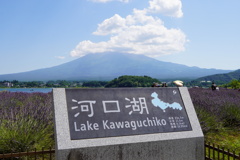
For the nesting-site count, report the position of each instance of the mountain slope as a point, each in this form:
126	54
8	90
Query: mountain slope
227	77
107	66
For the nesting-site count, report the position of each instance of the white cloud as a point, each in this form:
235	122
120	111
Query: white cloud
112	25
104	1
171	8
138	33
60	57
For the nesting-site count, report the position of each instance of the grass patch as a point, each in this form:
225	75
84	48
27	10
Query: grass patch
26	134
227	138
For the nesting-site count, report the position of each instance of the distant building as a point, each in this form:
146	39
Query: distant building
8	84
205	81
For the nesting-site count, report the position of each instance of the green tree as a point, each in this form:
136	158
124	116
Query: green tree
132	81
50	83
33	84
64	83
235	84
94	84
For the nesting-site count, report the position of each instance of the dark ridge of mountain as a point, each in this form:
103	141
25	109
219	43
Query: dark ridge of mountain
225	78
107	66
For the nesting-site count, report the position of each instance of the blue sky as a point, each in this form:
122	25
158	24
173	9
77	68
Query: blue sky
38	34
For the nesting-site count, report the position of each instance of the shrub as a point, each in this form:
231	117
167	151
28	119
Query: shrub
231	116
26	121
207	121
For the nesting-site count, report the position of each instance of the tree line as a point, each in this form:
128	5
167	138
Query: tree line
122	81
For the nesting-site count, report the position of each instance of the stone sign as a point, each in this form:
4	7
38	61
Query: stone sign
96	113
126	123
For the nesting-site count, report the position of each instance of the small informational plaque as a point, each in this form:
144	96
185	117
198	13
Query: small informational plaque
98	113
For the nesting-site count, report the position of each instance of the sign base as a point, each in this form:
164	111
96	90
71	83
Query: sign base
181	149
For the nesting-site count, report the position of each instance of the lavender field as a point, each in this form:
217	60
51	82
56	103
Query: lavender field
217	109
26	119
219	115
